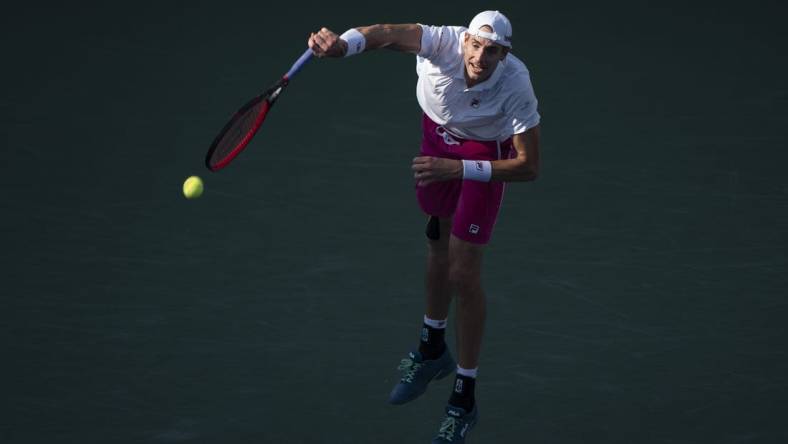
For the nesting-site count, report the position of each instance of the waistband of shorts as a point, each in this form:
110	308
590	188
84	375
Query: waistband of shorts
434	123
460	139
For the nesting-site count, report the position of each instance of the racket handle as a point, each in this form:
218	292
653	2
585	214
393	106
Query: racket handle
305	57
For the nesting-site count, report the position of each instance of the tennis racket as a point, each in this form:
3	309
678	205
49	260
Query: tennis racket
242	127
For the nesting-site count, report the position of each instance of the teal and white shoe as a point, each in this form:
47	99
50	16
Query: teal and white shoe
454	429
417	373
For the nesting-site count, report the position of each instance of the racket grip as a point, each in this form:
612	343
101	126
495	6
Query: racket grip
305	57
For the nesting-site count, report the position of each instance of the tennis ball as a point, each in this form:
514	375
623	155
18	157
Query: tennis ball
192	187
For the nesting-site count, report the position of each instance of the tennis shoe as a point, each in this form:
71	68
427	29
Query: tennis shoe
455	427
417	373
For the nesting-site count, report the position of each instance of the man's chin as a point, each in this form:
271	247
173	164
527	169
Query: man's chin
478	77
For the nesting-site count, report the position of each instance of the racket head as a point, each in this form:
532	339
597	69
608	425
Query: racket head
241	128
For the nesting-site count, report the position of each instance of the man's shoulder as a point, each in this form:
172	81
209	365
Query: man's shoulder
440	41
516	81
447	30
516	67
516	72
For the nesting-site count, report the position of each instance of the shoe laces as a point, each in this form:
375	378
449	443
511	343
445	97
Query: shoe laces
410	367
448	428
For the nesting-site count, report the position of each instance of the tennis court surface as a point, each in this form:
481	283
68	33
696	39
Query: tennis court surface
637	290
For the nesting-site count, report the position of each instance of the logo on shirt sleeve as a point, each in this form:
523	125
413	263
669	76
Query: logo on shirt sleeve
475	103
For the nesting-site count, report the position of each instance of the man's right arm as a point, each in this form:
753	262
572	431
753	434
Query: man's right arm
401	37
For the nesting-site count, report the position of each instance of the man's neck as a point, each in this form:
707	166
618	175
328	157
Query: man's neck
471	83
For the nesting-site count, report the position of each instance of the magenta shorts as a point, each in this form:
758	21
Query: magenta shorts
474	205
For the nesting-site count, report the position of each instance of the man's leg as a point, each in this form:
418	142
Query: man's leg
465	265
465	269
433	359
472	227
439	290
454	267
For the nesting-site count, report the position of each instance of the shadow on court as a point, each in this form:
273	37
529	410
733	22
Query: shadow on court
636	291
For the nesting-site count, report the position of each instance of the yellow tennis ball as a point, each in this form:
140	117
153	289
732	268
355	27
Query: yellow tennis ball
193	187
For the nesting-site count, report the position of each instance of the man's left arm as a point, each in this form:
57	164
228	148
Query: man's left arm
522	168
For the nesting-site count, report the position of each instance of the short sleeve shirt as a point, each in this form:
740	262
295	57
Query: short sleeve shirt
495	109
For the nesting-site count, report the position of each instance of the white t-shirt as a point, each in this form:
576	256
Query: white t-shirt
494	109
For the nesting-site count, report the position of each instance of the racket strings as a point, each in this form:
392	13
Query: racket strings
235	134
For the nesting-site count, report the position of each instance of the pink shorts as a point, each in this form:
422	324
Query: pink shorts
474	205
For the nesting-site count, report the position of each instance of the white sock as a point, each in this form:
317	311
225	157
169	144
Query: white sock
434	323
470	373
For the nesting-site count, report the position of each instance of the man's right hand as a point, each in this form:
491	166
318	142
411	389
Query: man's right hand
326	43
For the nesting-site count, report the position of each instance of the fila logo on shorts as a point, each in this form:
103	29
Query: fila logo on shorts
474	229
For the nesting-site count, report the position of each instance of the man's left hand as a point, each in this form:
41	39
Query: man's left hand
428	169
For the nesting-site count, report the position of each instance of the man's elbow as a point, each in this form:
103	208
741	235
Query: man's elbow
527	171
530	174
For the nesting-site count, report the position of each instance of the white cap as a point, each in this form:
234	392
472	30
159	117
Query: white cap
501	27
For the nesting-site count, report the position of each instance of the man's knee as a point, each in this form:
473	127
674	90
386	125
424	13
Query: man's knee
465	266
462	278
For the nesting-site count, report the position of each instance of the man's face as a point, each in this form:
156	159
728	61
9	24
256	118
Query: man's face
481	57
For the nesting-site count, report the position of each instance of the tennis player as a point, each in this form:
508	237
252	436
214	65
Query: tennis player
480	129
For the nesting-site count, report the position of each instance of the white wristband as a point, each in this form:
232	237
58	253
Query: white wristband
478	170
355	41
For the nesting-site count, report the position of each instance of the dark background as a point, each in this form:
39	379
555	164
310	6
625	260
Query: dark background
636	291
